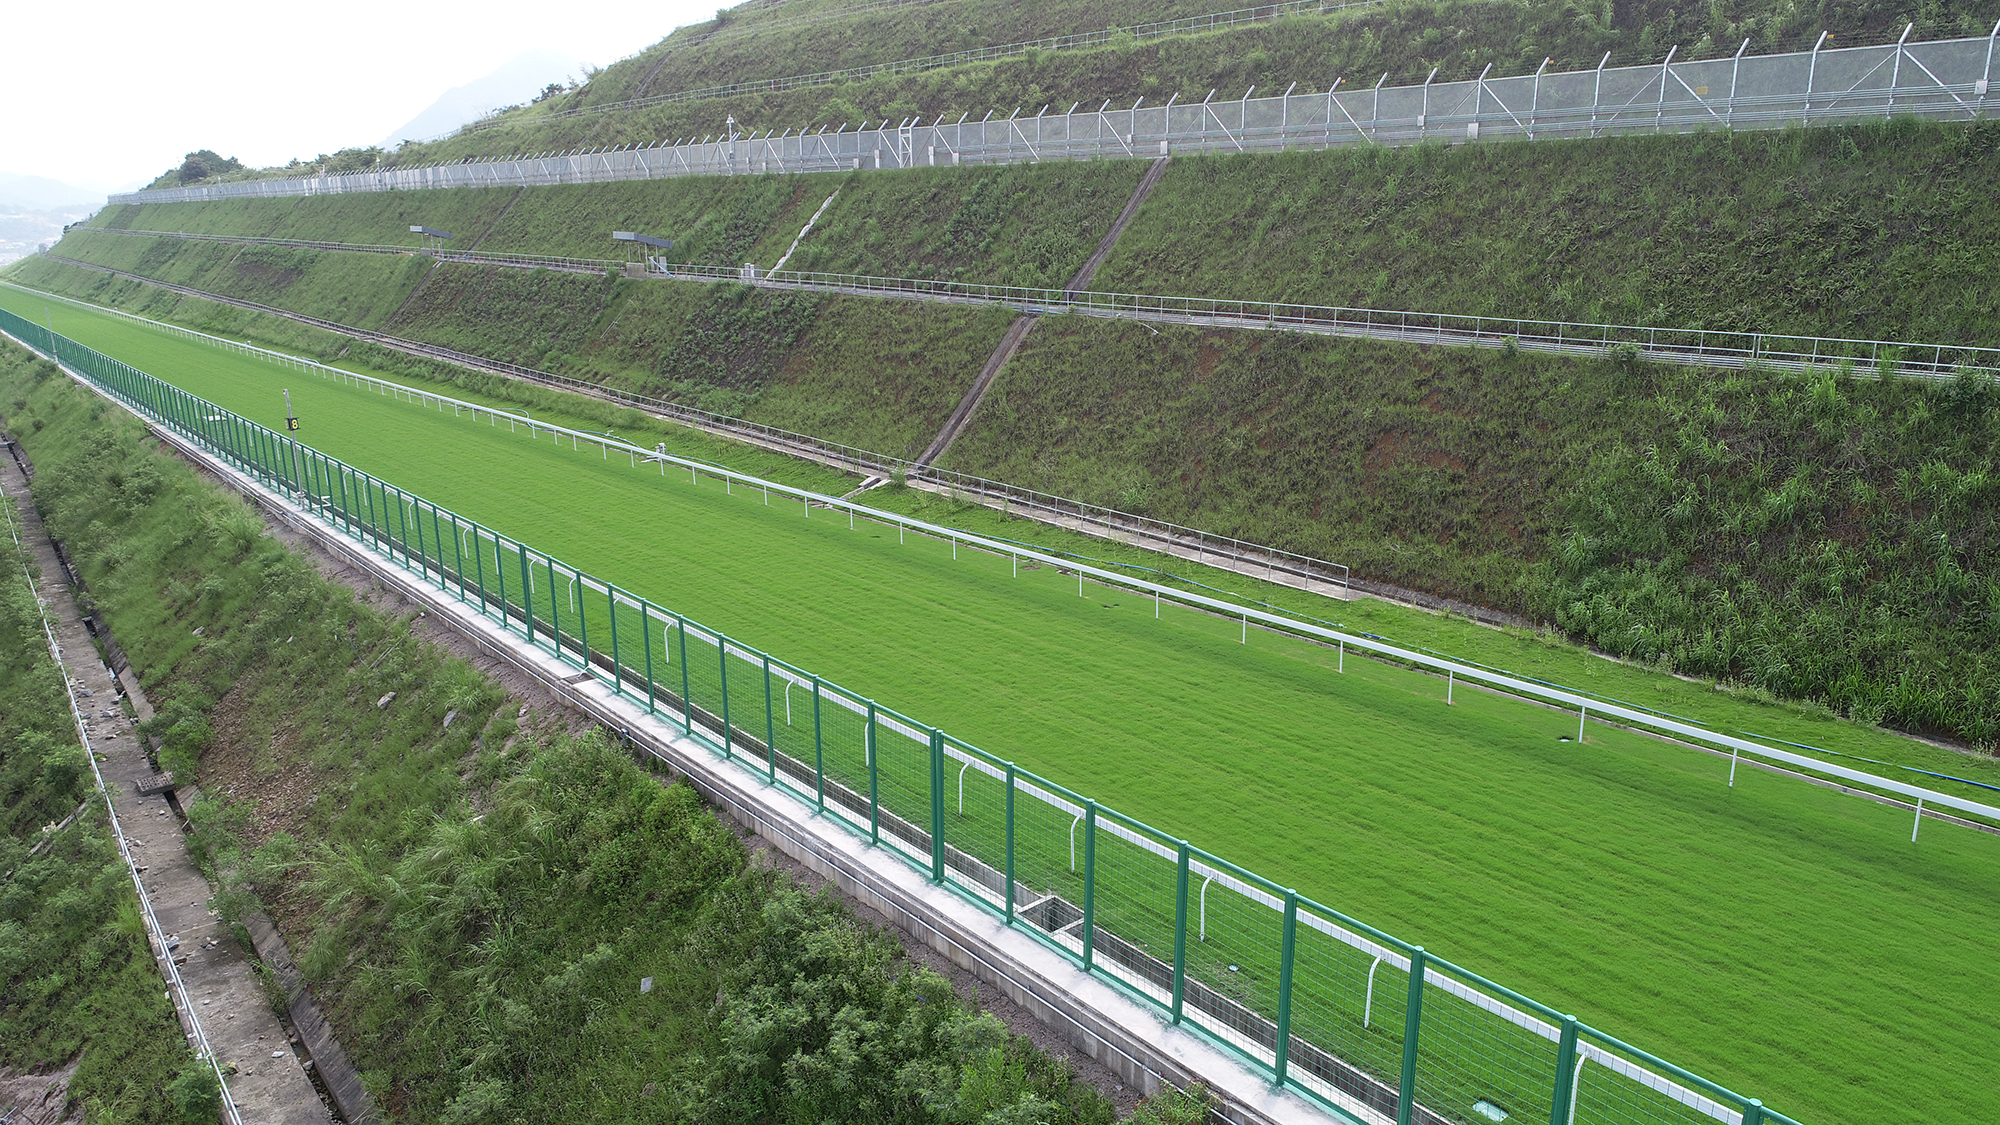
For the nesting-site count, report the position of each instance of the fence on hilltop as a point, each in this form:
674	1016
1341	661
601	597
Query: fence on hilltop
1947	79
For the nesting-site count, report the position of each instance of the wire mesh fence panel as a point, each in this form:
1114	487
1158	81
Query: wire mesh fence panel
842	725
975	822
1614	1086
1137	873
903	772
1235	939
1348	1005
1473	1048
1048	860
628	647
747	706
792	728
702	673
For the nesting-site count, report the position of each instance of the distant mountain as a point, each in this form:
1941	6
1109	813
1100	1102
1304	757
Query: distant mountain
517	80
39	193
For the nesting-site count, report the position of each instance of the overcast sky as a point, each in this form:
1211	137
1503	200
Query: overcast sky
112	93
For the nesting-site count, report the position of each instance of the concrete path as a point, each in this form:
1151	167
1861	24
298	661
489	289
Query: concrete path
224	996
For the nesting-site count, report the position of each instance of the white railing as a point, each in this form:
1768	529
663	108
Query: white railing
1942	79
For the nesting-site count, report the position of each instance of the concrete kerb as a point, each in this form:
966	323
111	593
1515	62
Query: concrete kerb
1093	1015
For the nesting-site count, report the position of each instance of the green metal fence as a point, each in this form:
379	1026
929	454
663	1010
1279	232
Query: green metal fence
1365	1024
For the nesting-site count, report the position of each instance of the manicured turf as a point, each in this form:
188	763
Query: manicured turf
1779	938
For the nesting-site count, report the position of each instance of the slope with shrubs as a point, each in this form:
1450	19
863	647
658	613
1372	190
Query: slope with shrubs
1821	538
475	901
78	984
1879	231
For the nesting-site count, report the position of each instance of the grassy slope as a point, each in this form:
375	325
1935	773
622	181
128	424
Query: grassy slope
534	918
1426	817
1878	232
1405	40
76	973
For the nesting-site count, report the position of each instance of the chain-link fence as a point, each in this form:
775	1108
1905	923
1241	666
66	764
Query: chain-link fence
1946	79
1337	1010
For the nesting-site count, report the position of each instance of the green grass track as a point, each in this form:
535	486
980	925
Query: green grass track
1777	937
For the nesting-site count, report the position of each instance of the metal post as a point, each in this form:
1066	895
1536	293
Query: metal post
1563	1103
1582	713
687	694
646	640
1424	115
1812	69
1735	66
819	753
722	658
937	805
1413	1014
1180	932
1753	1114
437	540
1919	822
1535	106
874	780
458	554
1286	951
1597	92
770	728
1089	882
1896	74
555	610
617	677
1010	844
527	599
1666	72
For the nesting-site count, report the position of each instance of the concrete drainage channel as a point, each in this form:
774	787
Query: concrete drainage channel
1091	1014
271	1071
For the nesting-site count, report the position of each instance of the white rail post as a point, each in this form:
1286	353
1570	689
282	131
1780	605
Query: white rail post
1736	66
1424	114
1896	73
1812	70
1535	105
1919	821
1597	92
1985	79
1666	72
1375	118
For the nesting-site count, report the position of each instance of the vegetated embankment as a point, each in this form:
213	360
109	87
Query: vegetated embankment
84	1023
476	889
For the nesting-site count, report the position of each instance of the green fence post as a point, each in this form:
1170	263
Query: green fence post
687	698
437	541
479	568
1413	1015
583	617
458	554
1753	1114
373	527
617	677
770	728
722	655
346	505
527	595
1287	948
819	752
937	805
1180	931
555	608
1089	882
868	748
1010	843
646	636
1563	1103
423	556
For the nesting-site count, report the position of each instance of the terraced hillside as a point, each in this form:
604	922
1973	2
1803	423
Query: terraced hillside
1529	485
